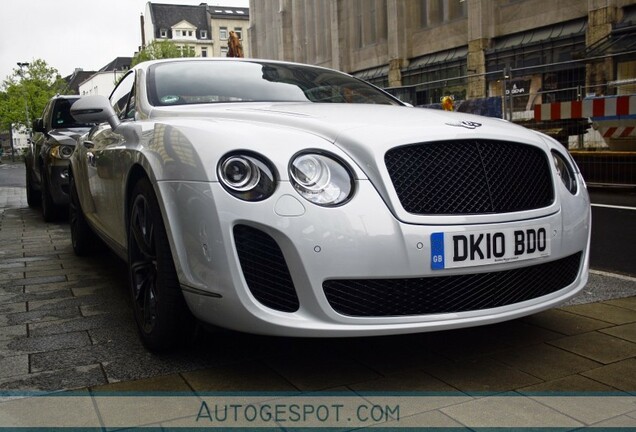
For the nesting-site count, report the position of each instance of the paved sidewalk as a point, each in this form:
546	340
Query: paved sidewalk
66	323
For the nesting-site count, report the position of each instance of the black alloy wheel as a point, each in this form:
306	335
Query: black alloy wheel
159	307
83	238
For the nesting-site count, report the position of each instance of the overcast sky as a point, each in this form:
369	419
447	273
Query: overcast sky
71	34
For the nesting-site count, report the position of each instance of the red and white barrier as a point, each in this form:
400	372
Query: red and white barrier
618	132
601	108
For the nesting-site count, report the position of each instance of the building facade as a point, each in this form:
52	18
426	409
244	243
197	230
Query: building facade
200	30
103	81
223	20
465	48
501	58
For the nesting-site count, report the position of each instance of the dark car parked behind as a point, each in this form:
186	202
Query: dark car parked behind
48	156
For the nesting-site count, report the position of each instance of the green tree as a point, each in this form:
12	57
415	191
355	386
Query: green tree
160	49
35	84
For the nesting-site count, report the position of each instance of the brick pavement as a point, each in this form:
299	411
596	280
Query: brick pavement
66	323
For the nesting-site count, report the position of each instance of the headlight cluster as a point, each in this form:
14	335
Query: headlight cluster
566	171
320	179
317	177
247	177
61	151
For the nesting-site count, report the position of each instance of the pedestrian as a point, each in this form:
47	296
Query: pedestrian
235	49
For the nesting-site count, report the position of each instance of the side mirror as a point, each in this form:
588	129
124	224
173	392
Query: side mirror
95	109
38	125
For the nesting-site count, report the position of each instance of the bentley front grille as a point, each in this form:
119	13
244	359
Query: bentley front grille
470	177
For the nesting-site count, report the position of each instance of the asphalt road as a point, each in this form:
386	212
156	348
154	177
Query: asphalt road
12	174
613	223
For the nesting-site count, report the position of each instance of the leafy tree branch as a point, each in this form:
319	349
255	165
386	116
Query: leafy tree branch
35	84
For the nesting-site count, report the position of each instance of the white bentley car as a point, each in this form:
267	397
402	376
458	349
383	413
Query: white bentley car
287	199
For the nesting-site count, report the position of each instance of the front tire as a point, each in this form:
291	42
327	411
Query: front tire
49	209
32	195
159	307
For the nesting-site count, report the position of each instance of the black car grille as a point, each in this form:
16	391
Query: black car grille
470	177
449	294
265	269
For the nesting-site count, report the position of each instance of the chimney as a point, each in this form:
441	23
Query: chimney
143	38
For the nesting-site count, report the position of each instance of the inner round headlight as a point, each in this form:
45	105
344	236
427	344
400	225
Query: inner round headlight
61	151
246	176
565	171
321	179
310	172
66	151
239	173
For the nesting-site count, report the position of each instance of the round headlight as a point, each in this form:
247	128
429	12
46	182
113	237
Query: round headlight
310	172
247	177
61	151
565	171
239	173
321	179
66	151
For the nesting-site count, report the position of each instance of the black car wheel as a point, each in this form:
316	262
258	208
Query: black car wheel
160	311
83	238
33	197
49	209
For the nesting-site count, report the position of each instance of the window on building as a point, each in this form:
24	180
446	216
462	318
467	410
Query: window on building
239	32
224	50
163	33
435	12
204	51
370	24
223	33
185	51
190	33
457	10
204	34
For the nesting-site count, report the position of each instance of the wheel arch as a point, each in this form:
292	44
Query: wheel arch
136	173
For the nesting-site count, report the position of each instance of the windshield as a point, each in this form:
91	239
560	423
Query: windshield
197	82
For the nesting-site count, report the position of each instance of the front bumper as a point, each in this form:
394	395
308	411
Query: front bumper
58	182
359	240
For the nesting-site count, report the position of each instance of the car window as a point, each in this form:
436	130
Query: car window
121	95
62	117
196	82
45	114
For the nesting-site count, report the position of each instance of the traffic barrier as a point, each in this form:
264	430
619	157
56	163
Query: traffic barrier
599	108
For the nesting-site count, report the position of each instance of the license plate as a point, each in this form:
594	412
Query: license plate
486	247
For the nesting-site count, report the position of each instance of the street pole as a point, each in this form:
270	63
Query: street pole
26	107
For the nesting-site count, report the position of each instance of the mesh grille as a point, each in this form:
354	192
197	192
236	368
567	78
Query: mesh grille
447	294
265	269
470	177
